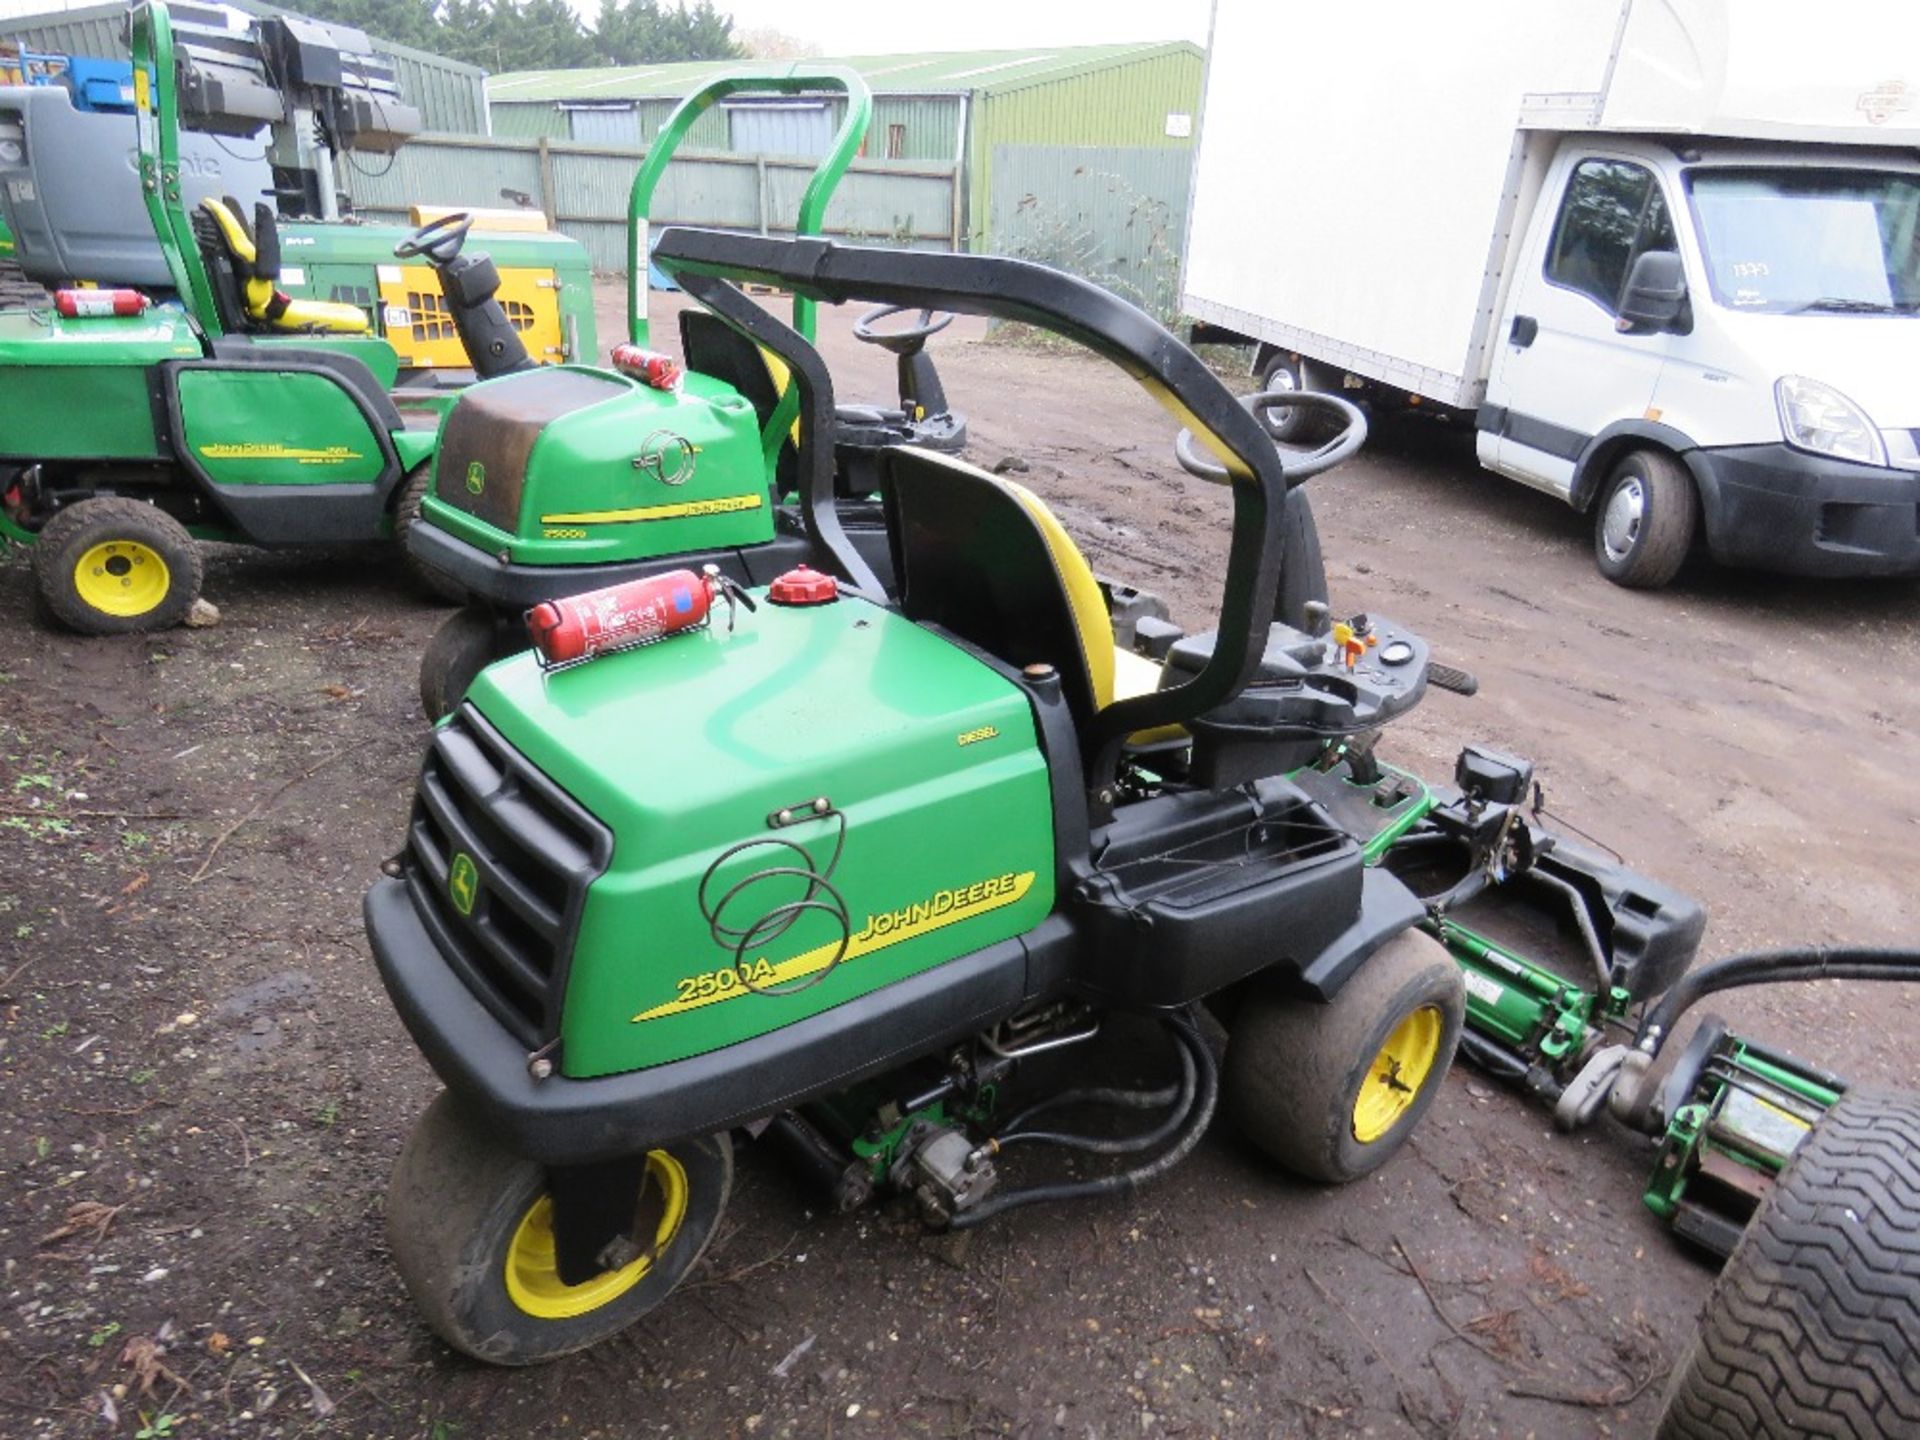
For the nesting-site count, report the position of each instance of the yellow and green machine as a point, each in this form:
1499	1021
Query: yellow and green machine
842	868
229	409
617	475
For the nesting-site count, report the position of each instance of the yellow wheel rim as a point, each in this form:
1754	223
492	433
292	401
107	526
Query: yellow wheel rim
533	1276
1397	1075
122	577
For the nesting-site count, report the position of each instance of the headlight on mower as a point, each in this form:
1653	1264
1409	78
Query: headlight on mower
1820	419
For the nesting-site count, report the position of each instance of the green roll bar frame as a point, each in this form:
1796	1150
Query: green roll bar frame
795	79
156	108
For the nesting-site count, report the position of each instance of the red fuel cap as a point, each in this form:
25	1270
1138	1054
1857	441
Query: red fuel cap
804	585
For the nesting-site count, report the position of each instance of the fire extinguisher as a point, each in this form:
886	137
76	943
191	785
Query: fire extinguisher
636	612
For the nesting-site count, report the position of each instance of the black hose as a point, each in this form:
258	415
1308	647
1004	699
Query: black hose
1181	1096
1199	1117
1097	1095
1769	967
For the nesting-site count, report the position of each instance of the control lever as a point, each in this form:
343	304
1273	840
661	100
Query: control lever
1447	677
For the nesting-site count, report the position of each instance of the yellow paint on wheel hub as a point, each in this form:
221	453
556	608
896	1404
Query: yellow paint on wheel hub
1398	1074
533	1275
122	577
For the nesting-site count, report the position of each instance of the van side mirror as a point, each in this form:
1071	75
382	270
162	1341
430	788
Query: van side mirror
1655	298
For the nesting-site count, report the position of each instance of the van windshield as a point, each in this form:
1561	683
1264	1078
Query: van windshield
1791	241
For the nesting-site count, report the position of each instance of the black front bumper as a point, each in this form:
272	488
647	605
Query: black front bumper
1776	508
491	580
559	1121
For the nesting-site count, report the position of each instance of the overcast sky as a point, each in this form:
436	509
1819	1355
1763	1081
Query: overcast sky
853	27
850	27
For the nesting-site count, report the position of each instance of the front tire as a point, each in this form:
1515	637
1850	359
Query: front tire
465	644
114	565
469	1225
1814	1324
406	515
1644	521
1331	1091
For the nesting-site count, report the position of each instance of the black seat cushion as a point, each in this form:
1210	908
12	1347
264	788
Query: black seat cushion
970	558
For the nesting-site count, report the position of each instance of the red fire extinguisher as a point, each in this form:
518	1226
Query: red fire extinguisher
635	612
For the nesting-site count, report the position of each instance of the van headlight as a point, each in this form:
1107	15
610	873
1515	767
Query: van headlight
1819	418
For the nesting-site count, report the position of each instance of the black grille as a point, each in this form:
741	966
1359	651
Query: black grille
534	851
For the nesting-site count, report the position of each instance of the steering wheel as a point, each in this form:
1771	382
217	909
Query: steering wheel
900	342
1353	434
439	240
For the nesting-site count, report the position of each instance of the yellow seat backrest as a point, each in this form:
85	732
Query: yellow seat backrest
1089	606
264	303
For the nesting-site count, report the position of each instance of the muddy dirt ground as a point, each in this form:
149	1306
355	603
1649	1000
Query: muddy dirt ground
205	1088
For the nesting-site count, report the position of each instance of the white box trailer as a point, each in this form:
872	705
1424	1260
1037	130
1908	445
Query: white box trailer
1664	253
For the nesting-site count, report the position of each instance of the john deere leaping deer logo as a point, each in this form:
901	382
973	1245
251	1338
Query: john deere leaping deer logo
667	457
463	883
476	477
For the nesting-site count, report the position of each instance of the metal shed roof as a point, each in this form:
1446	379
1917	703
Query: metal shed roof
943	73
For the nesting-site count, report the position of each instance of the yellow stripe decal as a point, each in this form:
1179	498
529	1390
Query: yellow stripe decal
887	928
725	505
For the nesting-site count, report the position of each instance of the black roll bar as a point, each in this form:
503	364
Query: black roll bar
710	264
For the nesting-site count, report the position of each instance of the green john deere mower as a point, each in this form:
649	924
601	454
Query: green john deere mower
830	862
230	411
560	482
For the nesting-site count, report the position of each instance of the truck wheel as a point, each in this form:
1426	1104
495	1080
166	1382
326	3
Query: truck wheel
471	1232
1814	1323
1330	1091
406	514
1283	372
114	565
463	646
1644	521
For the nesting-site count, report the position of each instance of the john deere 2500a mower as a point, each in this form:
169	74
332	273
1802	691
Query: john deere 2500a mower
227	412
557	483
831	863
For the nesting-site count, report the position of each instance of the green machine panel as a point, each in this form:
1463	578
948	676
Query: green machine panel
935	838
263	427
78	389
572	466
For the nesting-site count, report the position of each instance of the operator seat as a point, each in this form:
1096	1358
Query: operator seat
252	255
986	559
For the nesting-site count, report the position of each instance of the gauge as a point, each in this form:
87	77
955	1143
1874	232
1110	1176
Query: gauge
1396	652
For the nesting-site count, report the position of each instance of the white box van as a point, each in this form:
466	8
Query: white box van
1665	254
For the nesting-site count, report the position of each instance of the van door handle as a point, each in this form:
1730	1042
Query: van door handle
1525	327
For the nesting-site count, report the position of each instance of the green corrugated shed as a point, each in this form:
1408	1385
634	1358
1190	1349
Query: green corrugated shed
452	97
953	105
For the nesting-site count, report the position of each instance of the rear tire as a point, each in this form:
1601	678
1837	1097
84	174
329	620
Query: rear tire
115	565
464	645
406	514
464	1220
1331	1091
1644	521
1814	1324
1283	372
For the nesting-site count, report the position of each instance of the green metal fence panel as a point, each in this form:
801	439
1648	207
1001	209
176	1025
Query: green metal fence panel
1115	214
585	188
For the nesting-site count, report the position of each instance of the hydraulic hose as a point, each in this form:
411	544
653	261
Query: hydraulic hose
1181	1096
1768	967
1095	1095
1199	1116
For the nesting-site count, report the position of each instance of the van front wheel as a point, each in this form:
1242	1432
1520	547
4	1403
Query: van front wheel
1644	520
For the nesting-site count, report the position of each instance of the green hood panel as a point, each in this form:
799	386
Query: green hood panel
575	466
685	748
